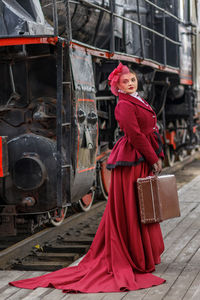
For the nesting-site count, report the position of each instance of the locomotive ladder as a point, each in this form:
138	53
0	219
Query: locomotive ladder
63	129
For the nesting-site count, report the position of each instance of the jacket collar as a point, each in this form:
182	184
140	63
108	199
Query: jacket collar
123	96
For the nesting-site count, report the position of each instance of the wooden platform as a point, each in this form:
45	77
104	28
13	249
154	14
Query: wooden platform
180	262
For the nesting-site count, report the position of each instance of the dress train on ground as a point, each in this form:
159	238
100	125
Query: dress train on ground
124	251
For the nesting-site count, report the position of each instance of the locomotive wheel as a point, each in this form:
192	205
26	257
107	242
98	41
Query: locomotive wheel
170	156
85	202
104	178
56	220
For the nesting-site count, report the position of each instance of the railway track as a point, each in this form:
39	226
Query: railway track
57	247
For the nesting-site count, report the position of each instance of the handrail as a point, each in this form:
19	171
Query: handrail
164	11
132	21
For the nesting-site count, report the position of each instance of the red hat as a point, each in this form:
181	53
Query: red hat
114	77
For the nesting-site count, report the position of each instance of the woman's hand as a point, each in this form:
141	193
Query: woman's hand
157	167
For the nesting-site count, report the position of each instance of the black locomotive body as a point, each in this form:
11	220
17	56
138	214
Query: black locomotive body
57	121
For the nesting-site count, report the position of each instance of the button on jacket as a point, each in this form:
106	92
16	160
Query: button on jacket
141	140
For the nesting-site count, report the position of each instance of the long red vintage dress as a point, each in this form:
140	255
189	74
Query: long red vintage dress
124	251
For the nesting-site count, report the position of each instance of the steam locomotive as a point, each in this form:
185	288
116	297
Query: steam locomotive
57	124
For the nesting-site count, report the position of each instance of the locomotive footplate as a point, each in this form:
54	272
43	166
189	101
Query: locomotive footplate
7	220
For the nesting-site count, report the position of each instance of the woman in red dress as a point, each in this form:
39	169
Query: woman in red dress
124	252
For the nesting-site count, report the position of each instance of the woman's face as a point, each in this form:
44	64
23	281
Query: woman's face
128	83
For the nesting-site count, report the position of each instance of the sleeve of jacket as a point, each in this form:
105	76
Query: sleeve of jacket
126	116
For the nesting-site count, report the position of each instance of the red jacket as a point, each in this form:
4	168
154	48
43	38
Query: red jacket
141	140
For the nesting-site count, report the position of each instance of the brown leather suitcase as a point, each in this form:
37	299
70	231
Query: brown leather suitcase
158	198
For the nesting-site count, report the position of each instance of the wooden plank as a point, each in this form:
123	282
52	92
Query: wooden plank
97	296
48	255
136	295
181	244
196	258
172	271
190	191
180	286
47	266
193	292
158	292
36	294
113	296
182	229
55	294
187	255
28	294
169	225
11	291
67	249
85	240
188	200
7	276
189	245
